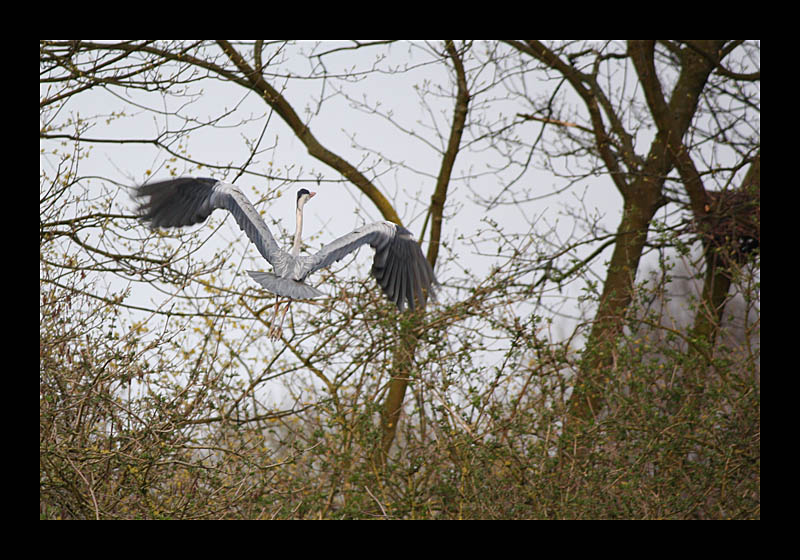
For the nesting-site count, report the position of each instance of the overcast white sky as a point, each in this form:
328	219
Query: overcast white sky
338	126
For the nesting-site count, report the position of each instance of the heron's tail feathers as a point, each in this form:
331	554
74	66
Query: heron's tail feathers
285	287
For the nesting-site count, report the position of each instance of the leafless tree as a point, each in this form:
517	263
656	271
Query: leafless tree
161	397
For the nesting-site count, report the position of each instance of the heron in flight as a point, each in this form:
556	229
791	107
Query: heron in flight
399	267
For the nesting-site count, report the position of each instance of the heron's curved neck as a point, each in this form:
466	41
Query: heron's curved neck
298	233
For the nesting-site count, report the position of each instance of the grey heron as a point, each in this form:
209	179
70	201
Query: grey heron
399	267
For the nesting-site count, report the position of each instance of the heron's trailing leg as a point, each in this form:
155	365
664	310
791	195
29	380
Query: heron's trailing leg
272	330
276	331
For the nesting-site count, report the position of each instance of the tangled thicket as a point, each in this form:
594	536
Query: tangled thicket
155	430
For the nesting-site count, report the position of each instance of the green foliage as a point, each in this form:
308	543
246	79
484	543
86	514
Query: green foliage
677	439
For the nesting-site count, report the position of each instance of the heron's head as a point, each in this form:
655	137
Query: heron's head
303	196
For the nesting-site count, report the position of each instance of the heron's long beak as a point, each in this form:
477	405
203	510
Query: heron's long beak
312	194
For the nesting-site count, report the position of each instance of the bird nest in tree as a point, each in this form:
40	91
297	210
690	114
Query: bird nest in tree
732	225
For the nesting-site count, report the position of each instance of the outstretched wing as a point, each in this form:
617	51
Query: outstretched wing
187	201
402	271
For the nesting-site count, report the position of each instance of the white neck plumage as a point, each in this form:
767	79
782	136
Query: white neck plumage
298	233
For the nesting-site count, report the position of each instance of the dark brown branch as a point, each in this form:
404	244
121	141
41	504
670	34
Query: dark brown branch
453	145
255	81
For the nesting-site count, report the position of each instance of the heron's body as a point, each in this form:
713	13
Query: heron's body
399	267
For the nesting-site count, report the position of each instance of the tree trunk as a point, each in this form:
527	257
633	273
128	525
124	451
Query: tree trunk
642	198
404	354
617	293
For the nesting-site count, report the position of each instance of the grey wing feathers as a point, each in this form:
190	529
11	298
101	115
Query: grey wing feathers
403	272
399	267
177	202
187	201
